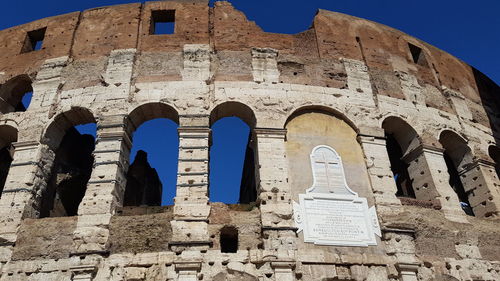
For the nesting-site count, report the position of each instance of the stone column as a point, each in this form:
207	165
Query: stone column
191	210
429	172
400	245
275	192
481	182
22	188
264	65
106	186
379	167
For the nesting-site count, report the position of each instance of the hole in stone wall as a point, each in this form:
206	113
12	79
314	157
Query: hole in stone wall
34	40
162	22
16	94
458	157
417	54
70	172
152	174
401	140
229	239
457	186
494	152
232	163
8	135
25	102
399	168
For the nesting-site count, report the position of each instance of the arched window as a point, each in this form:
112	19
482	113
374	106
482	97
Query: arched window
71	137
458	158
15	94
228	239
401	139
321	130
494	152
8	135
152	174
232	154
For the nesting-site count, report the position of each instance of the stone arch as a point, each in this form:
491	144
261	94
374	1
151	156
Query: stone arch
233	109
12	92
69	157
8	135
144	185
406	136
457	148
321	109
316	126
401	140
459	159
248	183
149	111
62	122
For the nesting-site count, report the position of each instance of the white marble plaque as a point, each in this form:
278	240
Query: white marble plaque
330	213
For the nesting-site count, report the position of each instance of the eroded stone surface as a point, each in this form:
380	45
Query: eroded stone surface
334	84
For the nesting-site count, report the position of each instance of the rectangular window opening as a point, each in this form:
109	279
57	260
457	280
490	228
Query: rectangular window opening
417	54
162	22
34	40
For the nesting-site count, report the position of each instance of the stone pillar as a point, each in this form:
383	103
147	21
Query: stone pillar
196	62
358	78
379	167
191	210
21	190
275	192
400	245
481	182
106	186
265	65
429	172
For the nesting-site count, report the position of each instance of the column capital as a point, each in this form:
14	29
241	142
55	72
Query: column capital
407	267
270	132
21	145
371	132
194	129
423	148
187	266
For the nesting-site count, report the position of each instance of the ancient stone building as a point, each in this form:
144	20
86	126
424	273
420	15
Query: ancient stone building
414	128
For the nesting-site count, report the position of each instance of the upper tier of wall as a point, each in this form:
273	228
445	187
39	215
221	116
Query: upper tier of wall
313	57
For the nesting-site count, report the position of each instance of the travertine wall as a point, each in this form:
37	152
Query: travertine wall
345	76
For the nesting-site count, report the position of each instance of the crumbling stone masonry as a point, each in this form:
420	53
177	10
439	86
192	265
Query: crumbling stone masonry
346	82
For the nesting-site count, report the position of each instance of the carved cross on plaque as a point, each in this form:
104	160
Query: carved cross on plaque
330	213
328	172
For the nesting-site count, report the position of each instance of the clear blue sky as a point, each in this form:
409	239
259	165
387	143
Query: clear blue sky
469	30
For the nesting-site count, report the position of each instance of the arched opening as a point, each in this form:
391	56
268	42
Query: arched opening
8	135
232	175
16	94
229	239
401	139
152	174
309	128
71	139
458	158
494	152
